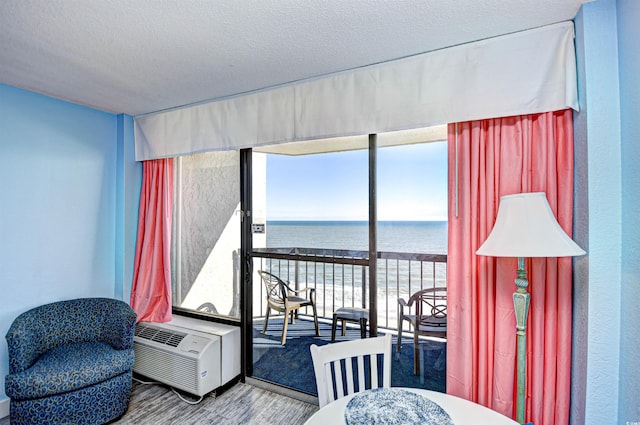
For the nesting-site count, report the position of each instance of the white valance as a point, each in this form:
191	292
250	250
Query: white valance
527	72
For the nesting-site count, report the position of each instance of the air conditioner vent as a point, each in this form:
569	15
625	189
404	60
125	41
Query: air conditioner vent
162	336
185	359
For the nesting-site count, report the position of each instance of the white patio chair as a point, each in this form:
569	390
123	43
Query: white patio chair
281	297
338	376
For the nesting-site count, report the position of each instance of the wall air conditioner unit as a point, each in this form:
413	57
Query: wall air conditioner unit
185	359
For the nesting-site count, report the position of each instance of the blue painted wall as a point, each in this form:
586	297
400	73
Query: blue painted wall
64	200
600	102
128	183
606	378
580	334
628	46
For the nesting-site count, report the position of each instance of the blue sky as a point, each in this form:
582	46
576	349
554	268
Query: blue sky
412	184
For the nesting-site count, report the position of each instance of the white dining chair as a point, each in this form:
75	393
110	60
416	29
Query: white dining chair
349	367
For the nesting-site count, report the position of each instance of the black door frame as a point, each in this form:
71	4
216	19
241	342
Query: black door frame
246	248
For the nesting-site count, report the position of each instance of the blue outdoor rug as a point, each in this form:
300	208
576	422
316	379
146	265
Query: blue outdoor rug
291	365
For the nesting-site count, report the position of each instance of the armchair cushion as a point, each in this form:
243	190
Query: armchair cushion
67	368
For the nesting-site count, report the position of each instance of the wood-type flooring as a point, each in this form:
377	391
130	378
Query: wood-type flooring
239	405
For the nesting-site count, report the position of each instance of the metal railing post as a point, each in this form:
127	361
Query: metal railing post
364	287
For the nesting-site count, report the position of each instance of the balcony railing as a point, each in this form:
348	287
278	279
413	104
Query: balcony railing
340	277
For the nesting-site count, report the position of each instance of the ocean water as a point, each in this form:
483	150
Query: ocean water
424	237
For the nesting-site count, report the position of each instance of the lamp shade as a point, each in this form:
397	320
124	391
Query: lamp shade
526	227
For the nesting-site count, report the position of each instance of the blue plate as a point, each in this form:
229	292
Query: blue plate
394	406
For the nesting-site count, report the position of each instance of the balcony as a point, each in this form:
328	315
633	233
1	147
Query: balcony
341	279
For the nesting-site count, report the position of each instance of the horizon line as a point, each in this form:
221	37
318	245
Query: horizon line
353	220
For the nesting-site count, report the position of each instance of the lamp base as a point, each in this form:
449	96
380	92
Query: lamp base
521	300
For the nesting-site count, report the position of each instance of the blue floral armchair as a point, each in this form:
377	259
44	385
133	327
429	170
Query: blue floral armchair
70	362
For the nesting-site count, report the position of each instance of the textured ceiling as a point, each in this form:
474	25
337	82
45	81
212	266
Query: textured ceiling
140	56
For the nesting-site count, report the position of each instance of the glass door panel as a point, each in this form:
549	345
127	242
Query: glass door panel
206	234
412	247
310	229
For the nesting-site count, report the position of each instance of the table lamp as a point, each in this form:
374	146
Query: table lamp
526	227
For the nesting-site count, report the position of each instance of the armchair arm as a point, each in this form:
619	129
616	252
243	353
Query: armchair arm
401	305
24	343
312	291
297	291
118	325
306	289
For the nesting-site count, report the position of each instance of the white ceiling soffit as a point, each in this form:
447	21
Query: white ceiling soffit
339	144
142	56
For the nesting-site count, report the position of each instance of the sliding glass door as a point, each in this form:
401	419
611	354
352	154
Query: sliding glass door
311	212
412	222
310	230
412	197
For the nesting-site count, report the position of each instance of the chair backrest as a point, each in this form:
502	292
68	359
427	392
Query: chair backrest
431	310
430	302
348	367
275	287
48	326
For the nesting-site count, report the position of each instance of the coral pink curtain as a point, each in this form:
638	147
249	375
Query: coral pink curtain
496	157
151	291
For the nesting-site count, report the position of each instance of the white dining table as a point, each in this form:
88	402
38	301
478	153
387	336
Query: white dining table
461	411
